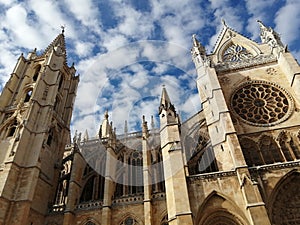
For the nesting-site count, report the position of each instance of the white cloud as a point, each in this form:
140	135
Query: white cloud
114	41
85	11
46	10
83	49
18	28
287	21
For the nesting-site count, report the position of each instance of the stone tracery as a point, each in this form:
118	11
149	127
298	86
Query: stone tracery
262	103
235	53
286	205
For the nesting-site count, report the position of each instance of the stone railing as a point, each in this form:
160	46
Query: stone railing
128	200
212	175
89	205
276	166
159	196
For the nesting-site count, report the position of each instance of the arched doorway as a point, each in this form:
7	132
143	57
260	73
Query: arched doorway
285	207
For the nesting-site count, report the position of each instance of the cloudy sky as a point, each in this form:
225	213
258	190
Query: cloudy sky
125	50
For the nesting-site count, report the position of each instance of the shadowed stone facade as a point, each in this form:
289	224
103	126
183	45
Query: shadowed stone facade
236	162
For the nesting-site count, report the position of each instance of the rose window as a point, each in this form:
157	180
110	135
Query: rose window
262	103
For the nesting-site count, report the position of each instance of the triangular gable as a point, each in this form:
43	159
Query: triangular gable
232	46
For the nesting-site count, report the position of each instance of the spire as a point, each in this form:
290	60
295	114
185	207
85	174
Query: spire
106	115
125	127
59	44
105	128
195	41
165	99
86	136
269	36
144	125
152	123
165	102
198	48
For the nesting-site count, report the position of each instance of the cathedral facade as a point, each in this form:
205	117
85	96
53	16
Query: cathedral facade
235	162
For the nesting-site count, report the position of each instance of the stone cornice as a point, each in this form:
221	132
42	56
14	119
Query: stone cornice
251	62
213	175
275	166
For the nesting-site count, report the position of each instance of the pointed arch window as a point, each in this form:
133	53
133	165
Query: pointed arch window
36	73
50	137
12	128
285	206
135	175
251	152
270	150
90	223
207	161
129	221
28	95
94	187
87	193
120	191
61	80
289	146
158	184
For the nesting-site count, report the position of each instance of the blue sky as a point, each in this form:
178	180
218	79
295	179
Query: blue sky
125	50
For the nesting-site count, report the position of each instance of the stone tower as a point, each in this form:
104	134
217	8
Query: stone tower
250	98
35	112
177	198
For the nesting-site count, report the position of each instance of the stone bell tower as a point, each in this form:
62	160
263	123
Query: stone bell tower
35	111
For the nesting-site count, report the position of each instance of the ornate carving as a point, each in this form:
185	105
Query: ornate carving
259	60
211	176
236	53
224	80
271	71
262	103
286	205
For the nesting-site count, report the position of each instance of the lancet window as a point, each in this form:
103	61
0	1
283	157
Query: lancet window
94	185
267	150
36	73
129	221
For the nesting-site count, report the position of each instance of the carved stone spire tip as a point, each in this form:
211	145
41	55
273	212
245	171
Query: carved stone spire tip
106	114
224	23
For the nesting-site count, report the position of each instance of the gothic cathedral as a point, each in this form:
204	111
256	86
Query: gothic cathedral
235	162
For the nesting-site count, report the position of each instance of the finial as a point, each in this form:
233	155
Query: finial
261	24
62	29
125	127
144	125
195	41
152	122
259	21
224	23
106	114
